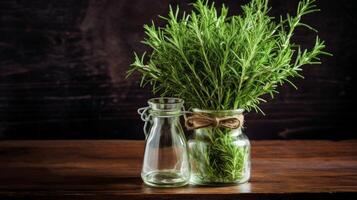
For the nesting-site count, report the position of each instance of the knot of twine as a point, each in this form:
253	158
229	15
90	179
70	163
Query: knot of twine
199	120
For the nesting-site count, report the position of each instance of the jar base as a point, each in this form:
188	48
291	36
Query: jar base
164	178
199	182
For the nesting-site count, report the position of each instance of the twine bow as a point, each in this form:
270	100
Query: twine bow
199	120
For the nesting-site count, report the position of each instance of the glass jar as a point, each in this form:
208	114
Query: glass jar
219	155
166	161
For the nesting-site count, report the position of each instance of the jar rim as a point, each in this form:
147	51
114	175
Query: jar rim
165	101
205	111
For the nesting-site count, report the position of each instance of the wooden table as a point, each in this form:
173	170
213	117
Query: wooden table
110	169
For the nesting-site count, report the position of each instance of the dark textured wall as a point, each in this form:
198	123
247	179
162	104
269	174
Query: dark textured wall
62	68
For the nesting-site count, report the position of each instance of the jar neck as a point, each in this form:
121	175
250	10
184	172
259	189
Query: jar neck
219	113
165	107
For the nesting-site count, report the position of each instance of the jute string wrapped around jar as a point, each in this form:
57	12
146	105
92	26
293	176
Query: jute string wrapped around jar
199	120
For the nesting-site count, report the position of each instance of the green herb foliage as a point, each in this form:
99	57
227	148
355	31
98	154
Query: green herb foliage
216	158
215	61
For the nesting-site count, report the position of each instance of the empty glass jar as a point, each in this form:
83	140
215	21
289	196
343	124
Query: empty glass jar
166	161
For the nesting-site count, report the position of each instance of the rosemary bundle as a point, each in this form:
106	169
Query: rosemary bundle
219	62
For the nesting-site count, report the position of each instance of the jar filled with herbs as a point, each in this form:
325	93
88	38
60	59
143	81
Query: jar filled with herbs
219	150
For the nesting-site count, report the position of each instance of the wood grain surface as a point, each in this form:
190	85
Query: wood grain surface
108	169
63	64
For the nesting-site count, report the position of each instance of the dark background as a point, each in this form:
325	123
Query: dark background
63	63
